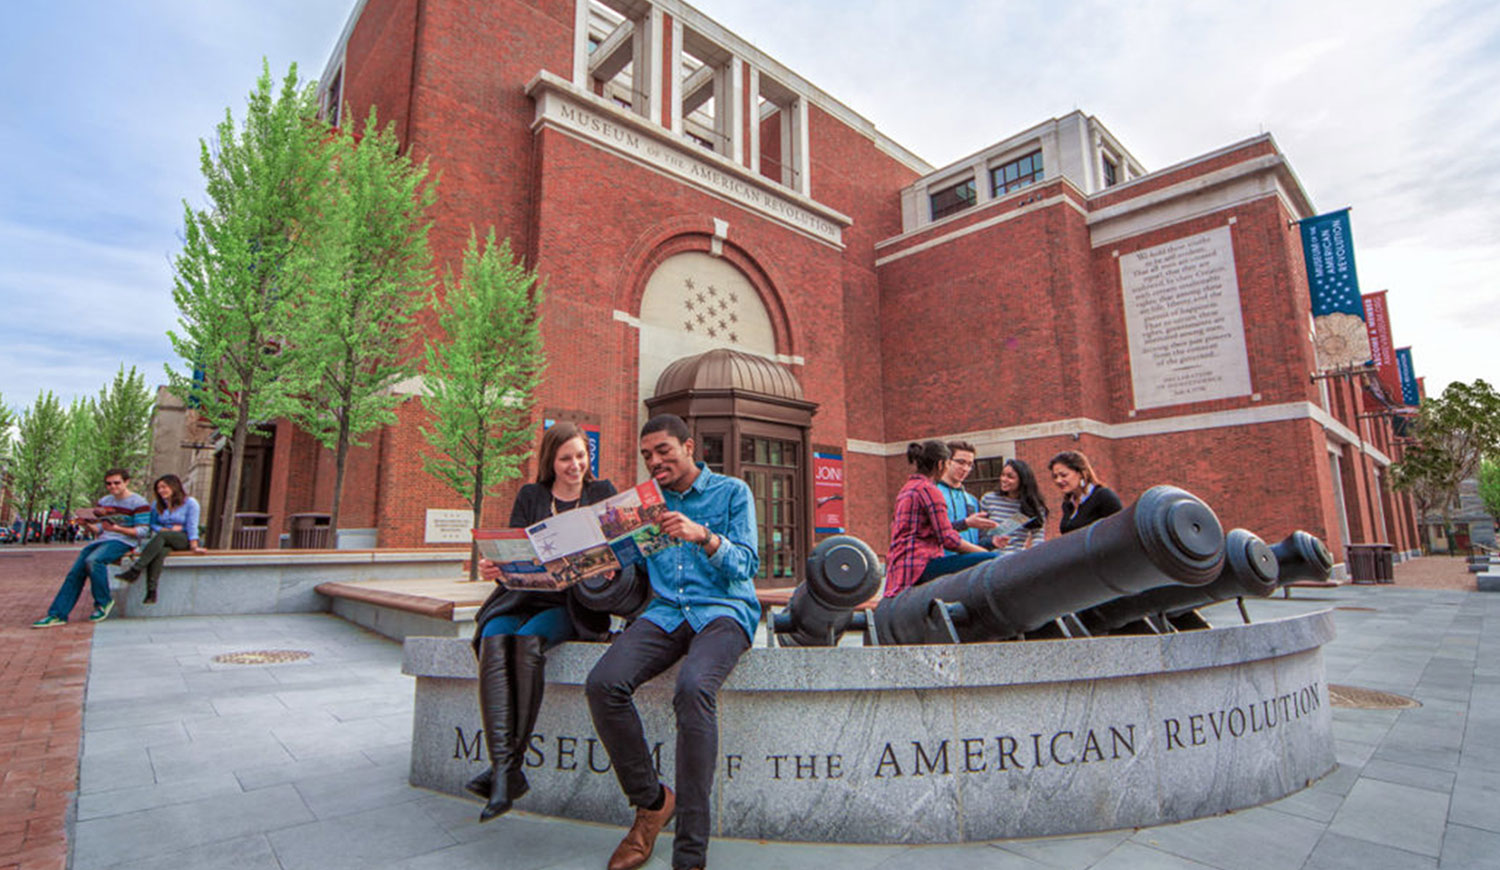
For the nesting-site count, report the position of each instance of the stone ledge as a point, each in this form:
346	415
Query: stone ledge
858	668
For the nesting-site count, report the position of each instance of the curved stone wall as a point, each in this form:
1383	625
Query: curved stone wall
936	744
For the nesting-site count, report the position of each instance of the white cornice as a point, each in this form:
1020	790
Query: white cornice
1140	428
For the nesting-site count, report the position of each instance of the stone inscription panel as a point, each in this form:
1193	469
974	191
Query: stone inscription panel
1183	318
938	765
446	526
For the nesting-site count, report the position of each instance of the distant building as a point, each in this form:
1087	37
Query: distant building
723	239
1470	523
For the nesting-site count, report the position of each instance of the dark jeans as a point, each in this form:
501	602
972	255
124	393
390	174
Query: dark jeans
154	555
953	564
92	563
642	652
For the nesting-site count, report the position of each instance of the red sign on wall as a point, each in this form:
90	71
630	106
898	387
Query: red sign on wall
828	493
1382	349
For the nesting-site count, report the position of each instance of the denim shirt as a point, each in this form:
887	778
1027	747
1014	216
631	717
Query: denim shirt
695	588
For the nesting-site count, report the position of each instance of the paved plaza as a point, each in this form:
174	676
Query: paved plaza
189	762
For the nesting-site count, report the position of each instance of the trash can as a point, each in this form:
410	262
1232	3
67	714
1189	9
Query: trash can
249	531
310	531
1370	563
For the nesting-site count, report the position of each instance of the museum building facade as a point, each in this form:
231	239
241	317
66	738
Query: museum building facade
722	239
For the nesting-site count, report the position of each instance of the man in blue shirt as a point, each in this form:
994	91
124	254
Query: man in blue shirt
120	532
963	507
704	613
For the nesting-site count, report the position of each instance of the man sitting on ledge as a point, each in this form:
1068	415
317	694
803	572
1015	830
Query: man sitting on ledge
704	614
119	534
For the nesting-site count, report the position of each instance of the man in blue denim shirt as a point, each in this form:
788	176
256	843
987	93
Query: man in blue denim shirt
704	613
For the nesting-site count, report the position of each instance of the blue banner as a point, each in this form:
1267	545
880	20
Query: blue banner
1409	392
1328	251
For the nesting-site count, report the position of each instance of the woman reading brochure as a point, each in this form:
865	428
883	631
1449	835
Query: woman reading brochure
515	628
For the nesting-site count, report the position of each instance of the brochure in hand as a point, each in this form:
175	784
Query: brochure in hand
120	516
1010	526
568	547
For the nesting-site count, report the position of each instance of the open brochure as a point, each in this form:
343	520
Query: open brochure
1010	526
120	516
568	547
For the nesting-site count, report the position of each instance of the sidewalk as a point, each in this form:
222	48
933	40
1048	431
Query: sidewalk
192	763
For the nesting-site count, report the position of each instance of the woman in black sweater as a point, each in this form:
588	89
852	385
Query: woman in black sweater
515	628
1085	498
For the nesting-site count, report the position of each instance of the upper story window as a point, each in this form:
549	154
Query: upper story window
1017	174
333	99
1111	173
953	199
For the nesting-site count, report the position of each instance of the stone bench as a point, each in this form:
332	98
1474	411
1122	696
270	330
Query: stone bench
224	582
935	744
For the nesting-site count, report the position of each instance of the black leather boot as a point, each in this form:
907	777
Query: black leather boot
530	674
497	707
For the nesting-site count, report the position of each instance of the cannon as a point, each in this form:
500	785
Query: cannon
1167	536
1250	570
842	573
1301	556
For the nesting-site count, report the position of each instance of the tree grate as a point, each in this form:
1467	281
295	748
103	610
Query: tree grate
1360	698
262	657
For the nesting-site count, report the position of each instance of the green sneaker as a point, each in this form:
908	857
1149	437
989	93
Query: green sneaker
48	622
102	613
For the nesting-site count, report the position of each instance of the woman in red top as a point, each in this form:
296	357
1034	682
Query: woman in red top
920	529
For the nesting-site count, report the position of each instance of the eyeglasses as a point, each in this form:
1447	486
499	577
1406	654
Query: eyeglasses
963	463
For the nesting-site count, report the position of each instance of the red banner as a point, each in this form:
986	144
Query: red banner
1382	349
828	493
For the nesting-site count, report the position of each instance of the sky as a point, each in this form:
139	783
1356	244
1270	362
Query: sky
1389	109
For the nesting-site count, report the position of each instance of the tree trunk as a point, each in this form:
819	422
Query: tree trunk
340	459
26	521
478	503
236	470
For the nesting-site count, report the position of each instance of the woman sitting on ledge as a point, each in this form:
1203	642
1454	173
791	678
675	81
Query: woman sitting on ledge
920	529
515	628
174	525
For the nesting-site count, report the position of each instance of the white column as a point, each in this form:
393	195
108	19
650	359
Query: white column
674	75
754	110
653	70
734	109
803	163
581	43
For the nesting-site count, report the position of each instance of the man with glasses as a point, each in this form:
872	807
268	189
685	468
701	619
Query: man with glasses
963	507
118	534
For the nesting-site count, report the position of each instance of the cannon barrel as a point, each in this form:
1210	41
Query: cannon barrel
1167	536
625	595
1301	556
842	573
1250	570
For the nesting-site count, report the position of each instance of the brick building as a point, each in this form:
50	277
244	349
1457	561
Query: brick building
721	237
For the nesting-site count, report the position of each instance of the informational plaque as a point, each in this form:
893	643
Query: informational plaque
1182	315
448	526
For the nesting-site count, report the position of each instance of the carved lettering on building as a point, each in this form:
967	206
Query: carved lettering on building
1183	321
664	156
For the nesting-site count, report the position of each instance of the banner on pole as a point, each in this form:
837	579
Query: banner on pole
1411	394
1382	350
1341	337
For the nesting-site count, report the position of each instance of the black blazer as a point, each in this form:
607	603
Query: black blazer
1100	503
534	504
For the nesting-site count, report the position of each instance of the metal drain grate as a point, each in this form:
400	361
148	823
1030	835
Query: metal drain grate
262	657
1359	698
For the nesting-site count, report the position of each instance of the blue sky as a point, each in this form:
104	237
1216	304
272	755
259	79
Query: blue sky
1390	112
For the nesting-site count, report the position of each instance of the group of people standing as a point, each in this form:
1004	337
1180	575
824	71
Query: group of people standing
123	524
939	528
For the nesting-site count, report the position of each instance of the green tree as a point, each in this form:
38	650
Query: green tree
76	473
122	426
480	380
1454	432
41	431
7	422
351	327
1489	486
266	181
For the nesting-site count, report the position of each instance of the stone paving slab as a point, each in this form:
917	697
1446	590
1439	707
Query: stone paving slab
308	768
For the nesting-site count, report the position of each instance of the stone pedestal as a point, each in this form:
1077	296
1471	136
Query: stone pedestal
937	744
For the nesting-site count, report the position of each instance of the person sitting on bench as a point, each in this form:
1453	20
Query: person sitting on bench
174	525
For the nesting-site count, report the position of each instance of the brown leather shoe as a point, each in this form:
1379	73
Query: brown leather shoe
640	840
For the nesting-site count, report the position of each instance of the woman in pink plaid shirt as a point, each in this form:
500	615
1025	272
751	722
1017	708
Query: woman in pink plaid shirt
920	529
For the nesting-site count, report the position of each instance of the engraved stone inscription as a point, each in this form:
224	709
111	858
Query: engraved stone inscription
1183	318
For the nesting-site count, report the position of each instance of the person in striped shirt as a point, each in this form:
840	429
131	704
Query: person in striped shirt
1016	498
